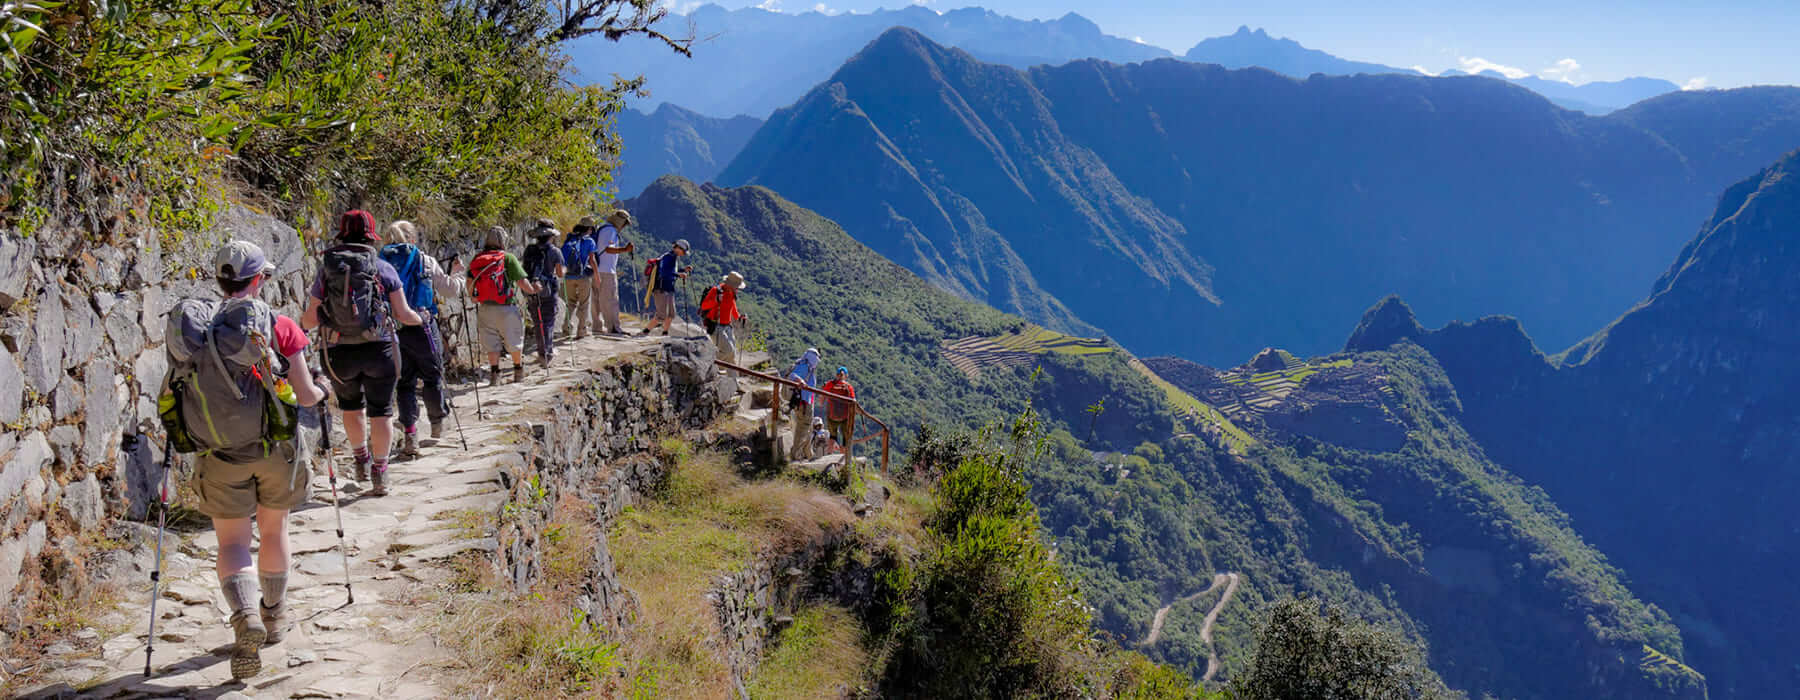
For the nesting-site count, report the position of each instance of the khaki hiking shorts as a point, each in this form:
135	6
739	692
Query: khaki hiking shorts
502	328
665	304
229	490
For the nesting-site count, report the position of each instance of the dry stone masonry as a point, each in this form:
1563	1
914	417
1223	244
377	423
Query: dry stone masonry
81	361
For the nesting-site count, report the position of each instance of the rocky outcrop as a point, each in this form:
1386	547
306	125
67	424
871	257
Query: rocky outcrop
81	361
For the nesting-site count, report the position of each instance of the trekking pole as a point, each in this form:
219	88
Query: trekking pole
443	380
162	521
330	452
474	361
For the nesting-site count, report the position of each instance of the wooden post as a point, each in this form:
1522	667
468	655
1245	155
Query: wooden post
775	423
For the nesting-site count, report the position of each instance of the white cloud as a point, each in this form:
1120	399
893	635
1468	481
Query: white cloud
1139	39
1564	71
1478	65
770	5
822	9
1695	83
1422	69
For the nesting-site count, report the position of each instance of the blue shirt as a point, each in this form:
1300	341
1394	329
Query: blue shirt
806	371
665	272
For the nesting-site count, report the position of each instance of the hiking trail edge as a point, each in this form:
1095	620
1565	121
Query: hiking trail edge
399	546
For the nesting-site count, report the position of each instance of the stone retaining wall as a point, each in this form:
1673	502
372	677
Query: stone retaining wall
81	360
597	443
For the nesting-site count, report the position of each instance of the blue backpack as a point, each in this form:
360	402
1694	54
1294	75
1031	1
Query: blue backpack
575	252
410	264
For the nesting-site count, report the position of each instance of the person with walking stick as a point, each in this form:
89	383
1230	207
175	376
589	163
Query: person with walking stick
606	270
237	373
544	265
662	286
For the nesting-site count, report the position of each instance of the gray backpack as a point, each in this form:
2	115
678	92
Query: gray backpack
222	373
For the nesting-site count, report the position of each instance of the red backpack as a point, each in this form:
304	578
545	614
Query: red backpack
709	302
489	271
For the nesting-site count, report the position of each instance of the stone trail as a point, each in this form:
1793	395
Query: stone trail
398	547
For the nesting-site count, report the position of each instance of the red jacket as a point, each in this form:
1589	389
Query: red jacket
725	312
836	409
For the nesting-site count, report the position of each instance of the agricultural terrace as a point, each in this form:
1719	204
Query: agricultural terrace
976	353
1262	391
1198	413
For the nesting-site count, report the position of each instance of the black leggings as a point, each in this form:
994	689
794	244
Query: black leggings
363	375
421	356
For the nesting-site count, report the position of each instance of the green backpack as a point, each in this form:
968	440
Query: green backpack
222	392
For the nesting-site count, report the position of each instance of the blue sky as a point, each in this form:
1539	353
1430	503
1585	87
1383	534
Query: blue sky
1726	43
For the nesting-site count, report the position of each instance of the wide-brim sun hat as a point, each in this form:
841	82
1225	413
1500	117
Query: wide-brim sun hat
241	260
587	221
620	217
734	280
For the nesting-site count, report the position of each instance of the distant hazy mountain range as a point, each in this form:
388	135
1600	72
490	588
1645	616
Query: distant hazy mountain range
677	141
1248	48
752	61
1194	210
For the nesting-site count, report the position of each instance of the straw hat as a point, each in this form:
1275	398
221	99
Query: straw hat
733	280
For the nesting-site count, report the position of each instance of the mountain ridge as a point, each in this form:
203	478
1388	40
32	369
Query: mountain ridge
1666	434
1221	197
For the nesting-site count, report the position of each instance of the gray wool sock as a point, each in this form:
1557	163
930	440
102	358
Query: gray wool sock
240	591
274	587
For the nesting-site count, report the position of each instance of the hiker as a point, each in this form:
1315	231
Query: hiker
544	265
221	384
578	288
663	274
821	439
608	246
800	401
840	415
495	272
356	298
421	346
718	306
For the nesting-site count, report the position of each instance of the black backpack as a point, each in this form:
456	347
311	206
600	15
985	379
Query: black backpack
540	267
355	308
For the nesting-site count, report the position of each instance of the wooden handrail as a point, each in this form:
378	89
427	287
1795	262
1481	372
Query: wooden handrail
886	435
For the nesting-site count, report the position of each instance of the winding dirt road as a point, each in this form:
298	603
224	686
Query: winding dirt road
1230	582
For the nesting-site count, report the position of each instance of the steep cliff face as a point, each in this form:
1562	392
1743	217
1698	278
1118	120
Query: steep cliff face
81	362
1669	435
1189	209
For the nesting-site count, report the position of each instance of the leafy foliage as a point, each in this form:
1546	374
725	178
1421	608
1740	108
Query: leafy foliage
987	612
1304	653
449	110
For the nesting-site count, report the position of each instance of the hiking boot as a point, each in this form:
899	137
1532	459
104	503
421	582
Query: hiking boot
378	482
494	376
246	657
437	429
518	373
362	469
645	333
274	621
409	445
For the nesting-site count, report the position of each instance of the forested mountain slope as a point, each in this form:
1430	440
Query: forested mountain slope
1670	436
1426	536
1189	209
